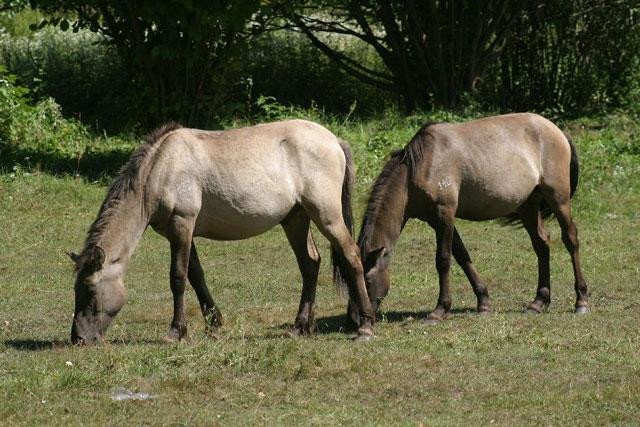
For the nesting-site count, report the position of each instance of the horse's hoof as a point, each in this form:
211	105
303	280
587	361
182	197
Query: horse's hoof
293	333
363	337
214	318
211	333
431	321
583	309
174	336
534	308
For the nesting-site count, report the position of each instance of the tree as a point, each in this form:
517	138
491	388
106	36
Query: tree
172	49
568	56
433	51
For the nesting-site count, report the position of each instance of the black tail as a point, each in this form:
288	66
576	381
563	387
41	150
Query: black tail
574	172
574	167
340	274
545	210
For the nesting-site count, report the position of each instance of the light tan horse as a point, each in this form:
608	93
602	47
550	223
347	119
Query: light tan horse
223	185
518	167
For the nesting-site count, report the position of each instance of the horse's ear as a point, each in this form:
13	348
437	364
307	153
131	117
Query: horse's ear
74	257
378	258
97	258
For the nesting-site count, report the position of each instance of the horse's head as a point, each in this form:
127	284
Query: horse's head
99	292
376	276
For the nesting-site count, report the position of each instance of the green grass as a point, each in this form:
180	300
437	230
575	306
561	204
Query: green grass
507	368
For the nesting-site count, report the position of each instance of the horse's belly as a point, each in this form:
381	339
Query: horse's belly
240	216
221	229
480	203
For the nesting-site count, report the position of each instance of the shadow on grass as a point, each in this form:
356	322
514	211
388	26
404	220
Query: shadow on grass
340	323
43	345
91	166
36	345
137	341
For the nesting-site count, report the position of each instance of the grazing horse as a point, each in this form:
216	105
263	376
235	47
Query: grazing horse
222	185
517	167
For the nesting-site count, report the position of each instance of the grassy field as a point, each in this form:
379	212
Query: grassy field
505	369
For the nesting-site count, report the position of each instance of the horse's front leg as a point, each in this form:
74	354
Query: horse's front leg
296	227
443	225
210	311
179	233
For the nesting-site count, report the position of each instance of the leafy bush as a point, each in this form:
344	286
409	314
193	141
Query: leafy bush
84	76
16	18
567	58
13	101
284	65
40	137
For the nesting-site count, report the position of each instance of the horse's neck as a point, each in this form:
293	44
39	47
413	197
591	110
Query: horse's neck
124	230
391	213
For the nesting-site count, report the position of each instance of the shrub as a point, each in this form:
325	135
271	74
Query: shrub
284	65
40	137
84	76
13	101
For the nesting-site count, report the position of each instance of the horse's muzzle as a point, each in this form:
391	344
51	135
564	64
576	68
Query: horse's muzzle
87	331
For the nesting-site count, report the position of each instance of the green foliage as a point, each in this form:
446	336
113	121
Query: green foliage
172	50
270	109
40	138
17	18
567	58
553	62
284	65
13	101
83	74
430	52
557	57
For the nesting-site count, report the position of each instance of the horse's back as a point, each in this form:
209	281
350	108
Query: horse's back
241	182
488	167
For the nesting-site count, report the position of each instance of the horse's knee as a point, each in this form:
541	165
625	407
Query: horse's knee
443	263
311	266
541	245
358	270
177	286
570	238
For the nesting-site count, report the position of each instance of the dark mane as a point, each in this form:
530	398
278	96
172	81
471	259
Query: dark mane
410	156
128	179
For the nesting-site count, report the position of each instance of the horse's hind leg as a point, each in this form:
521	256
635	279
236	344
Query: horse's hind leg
562	209
464	260
196	278
179	233
532	221
331	225
296	227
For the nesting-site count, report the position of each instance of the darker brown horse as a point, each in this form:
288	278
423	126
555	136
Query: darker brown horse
517	167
